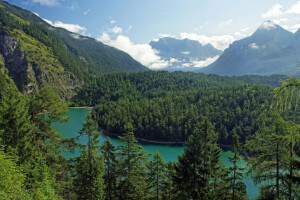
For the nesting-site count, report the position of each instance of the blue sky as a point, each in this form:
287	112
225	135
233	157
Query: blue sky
131	24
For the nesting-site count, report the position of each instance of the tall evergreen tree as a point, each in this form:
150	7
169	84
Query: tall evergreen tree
235	173
269	157
195	169
89	167
109	152
132	159
156	173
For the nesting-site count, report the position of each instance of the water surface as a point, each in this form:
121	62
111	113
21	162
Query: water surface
71	129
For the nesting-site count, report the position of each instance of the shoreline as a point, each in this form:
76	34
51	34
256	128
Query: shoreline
145	141
83	107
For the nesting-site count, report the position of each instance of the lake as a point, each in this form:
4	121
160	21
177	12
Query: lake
169	152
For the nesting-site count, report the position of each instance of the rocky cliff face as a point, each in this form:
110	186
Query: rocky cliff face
30	76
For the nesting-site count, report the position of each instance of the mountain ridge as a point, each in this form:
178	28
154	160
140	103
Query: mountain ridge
46	55
269	50
184	55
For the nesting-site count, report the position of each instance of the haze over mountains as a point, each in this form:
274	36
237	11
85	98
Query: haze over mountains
269	50
185	55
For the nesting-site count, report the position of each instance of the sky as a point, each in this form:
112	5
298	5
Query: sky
130	25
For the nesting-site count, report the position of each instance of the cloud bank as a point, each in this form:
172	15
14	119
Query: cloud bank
75	28
140	52
46	2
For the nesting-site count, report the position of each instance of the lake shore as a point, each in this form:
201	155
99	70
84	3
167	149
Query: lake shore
83	107
145	141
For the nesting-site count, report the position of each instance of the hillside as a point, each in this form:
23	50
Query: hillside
37	54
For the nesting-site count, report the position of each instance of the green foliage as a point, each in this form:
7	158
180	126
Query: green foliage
12	179
235	177
89	182
132	169
156	174
109	152
165	106
198	164
270	161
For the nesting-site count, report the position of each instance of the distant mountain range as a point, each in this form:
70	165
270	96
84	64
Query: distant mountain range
269	50
184	55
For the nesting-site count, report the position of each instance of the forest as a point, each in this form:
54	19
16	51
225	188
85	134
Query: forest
166	107
33	165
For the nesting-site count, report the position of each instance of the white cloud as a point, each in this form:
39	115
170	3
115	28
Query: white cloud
244	29
185	52
294	9
140	52
204	63
267	25
75	36
228	22
70	27
220	42
253	46
129	27
174	60
113	21
116	30
86	12
105	38
280	21
293	28
46	2
275	11
48	21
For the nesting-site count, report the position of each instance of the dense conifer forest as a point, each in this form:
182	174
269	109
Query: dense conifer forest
166	107
33	165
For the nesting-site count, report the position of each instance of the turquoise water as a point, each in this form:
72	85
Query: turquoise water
169	152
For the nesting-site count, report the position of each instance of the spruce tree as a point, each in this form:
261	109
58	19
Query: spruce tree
89	167
132	182
235	173
156	174
197	166
109	152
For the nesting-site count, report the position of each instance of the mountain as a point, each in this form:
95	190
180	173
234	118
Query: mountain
184	55
38	54
269	50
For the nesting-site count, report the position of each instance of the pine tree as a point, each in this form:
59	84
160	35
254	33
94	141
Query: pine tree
168	190
196	167
109	152
235	173
12	179
269	157
132	178
156	174
15	126
89	182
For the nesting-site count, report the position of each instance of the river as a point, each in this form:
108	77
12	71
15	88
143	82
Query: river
169	152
